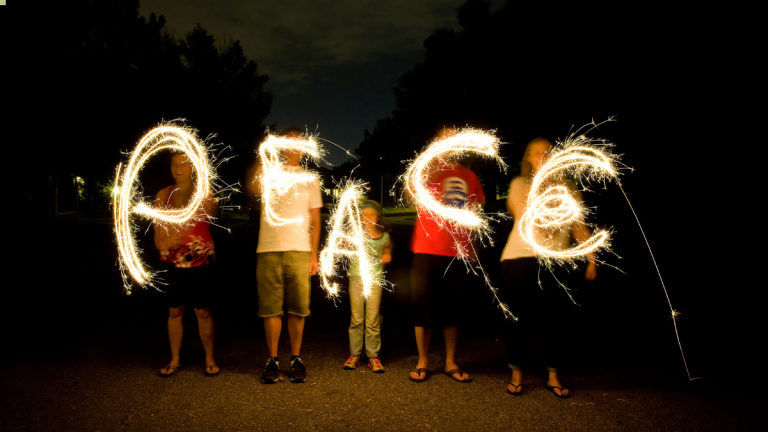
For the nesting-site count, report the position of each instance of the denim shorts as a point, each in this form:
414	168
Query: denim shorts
282	281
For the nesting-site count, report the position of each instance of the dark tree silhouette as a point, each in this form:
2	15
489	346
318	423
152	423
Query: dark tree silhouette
95	75
512	70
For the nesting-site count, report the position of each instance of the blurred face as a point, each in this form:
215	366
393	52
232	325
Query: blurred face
181	168
292	157
370	218
538	154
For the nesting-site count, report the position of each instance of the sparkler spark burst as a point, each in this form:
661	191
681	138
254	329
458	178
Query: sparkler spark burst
470	221
552	206
127	200
277	179
347	240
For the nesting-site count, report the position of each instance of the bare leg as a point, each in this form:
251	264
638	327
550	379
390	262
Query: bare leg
451	334
272	327
205	325
295	332
423	336
554	381
175	333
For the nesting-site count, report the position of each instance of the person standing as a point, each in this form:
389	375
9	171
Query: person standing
286	257
189	252
365	324
538	310
436	274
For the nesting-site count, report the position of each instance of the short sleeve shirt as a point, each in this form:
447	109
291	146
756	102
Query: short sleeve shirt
375	249
296	203
455	187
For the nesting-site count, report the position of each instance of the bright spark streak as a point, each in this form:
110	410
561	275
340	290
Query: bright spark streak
437	156
469	221
347	240
551	206
129	201
277	179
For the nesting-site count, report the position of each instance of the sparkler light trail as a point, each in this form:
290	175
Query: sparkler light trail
552	206
469	221
127	200
347	240
277	179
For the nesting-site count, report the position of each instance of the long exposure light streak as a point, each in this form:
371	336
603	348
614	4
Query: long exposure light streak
469	221
277	179
346	240
127	199
551	206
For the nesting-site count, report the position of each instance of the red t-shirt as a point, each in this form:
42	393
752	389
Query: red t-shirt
455	187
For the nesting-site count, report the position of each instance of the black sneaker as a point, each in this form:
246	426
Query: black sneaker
298	373
271	372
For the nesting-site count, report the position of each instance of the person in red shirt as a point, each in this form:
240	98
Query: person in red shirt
189	252
436	273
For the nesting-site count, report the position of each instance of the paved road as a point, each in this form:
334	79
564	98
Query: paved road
83	357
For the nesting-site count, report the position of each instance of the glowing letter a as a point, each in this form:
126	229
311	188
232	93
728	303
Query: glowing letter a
347	239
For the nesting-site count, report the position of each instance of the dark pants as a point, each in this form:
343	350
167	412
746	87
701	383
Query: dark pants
435	284
538	311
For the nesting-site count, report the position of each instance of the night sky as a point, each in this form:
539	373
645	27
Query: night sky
332	64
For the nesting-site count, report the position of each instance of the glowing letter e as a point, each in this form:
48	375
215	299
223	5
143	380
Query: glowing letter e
276	181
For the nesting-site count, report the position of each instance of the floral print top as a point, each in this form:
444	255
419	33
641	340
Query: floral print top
194	250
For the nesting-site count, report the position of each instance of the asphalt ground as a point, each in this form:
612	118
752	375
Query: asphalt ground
83	356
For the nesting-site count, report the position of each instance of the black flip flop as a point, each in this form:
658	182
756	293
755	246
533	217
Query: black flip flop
169	368
518	386
420	371
559	396
211	374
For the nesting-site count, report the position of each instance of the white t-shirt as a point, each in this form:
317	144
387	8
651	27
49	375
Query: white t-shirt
516	247
297	202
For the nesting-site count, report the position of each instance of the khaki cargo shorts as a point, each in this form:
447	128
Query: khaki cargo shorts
282	281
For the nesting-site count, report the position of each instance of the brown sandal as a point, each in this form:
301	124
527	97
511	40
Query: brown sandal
453	372
169	368
420	371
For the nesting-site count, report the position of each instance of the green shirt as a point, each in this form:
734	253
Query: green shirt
375	249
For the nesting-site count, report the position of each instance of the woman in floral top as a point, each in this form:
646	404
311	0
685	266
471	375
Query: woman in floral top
188	251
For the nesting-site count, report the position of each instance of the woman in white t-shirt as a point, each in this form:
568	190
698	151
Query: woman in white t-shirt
537	309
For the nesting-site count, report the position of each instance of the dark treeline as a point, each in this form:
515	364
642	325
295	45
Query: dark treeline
96	75
510	70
